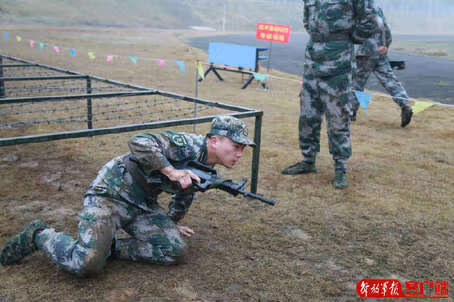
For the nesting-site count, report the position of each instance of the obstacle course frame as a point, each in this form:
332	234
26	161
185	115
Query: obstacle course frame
131	91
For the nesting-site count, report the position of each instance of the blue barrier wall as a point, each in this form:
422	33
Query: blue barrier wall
232	55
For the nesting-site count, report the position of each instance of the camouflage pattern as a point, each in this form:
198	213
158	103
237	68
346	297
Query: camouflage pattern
382	37
351	21
231	127
333	26
21	244
368	60
114	200
330	97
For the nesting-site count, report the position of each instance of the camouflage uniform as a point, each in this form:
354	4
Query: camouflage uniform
333	27
368	60
120	197
115	200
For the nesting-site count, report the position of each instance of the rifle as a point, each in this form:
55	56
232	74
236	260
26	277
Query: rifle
398	65
209	179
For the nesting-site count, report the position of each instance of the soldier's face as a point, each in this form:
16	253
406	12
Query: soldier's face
228	153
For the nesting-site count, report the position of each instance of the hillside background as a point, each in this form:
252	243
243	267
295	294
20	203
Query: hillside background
405	16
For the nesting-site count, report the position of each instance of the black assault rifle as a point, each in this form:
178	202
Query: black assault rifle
209	179
398	65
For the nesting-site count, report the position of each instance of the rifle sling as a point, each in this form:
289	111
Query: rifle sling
137	174
217	182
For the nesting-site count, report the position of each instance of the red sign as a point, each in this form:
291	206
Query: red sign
392	288
273	32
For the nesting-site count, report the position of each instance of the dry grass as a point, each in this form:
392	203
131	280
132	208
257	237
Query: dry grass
394	221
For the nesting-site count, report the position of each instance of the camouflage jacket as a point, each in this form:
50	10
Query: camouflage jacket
152	152
334	25
382	37
155	151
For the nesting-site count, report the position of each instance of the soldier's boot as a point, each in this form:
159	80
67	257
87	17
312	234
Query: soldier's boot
301	167
21	244
340	179
406	115
353	115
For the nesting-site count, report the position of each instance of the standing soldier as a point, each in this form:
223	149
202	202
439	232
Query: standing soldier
371	56
121	198
333	27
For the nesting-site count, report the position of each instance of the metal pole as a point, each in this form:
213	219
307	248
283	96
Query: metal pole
2	84
89	108
256	152
269	58
196	94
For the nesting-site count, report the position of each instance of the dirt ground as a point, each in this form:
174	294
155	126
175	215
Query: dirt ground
394	220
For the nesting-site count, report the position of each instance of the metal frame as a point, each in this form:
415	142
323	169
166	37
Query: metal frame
240	69
240	112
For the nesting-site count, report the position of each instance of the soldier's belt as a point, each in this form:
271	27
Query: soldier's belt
330	37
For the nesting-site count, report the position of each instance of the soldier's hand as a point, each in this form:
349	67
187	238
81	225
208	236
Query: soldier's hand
184	177
383	50
185	231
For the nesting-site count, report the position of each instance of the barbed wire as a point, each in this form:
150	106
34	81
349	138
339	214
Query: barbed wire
26	72
84	119
12	91
53	110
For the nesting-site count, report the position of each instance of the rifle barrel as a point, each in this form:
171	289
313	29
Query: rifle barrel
259	197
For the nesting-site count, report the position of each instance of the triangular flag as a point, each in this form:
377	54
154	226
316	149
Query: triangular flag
6	36
72	52
41	45
181	64
109	58
420	106
18	38
260	77
57	49
32	43
91	55
133	59
160	62
200	70
363	98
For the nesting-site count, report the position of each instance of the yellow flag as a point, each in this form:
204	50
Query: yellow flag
18	38
200	70
91	55
420	106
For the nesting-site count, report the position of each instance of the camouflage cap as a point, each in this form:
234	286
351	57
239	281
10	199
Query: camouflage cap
231	127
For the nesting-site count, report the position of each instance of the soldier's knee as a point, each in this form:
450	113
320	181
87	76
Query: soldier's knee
90	267
176	254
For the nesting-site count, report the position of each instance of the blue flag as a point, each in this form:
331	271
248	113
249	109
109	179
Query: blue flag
72	52
6	35
260	77
133	59
363	99
181	64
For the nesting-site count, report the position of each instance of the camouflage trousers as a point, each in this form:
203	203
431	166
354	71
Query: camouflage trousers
109	206
382	69
330	97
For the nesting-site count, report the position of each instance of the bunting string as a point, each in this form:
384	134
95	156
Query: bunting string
58	49
365	99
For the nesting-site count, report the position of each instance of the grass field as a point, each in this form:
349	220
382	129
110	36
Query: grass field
394	221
